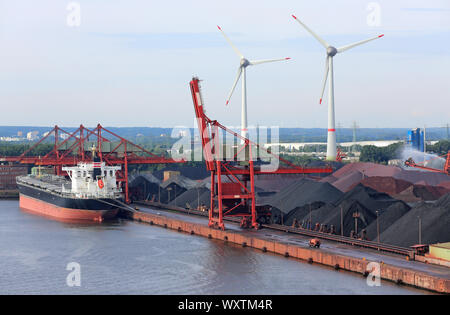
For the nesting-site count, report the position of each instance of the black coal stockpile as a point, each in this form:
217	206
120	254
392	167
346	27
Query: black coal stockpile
144	186
193	198
301	212
369	198
302	192
193	172
277	216
264	197
425	192
386	218
177	185
276	182
331	215
435	221
171	191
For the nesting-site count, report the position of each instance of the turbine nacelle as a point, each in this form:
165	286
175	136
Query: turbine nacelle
244	63
331	51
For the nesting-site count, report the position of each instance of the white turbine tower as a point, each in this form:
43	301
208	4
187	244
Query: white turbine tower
244	63
331	52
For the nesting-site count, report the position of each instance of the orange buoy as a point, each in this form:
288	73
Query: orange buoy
100	183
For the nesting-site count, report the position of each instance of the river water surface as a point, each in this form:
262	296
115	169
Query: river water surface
123	257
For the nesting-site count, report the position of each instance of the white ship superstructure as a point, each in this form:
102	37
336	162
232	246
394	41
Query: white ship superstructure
93	180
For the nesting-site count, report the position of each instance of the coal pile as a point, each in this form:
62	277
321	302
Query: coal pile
368	169
388	185
392	180
300	213
176	186
144	186
361	200
368	197
276	182
435	218
407	195
426	192
263	197
277	216
192	172
348	181
386	218
193	198
331	215
422	177
416	193
182	182
302	192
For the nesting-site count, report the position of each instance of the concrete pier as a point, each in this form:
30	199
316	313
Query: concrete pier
392	268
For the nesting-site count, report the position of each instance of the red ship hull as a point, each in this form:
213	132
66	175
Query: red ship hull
58	212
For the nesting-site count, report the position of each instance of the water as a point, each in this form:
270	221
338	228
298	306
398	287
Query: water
124	257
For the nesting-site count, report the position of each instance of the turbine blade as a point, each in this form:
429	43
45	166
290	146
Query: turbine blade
327	66
347	47
234	84
324	43
231	43
258	62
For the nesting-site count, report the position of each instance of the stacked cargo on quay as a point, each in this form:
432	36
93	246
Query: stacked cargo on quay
90	193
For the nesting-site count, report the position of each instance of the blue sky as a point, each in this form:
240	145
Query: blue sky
129	62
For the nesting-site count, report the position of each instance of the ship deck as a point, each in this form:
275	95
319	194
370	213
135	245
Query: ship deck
51	183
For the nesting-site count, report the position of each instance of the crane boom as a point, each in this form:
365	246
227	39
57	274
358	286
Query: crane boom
236	196
446	170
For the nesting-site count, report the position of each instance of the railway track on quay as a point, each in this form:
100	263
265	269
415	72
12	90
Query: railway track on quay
399	250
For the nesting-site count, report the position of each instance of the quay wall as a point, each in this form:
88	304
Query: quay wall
387	272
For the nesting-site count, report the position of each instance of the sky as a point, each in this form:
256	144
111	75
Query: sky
129	62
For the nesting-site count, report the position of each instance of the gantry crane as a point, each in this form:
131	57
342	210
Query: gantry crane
233	179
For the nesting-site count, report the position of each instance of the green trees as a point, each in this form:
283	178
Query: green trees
370	153
10	149
440	148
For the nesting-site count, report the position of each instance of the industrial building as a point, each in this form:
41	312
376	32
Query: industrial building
415	138
8	175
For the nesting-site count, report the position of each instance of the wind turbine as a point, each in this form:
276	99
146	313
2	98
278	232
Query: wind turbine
244	63
331	52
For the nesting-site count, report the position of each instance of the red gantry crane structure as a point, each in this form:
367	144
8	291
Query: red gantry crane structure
78	147
446	170
232	181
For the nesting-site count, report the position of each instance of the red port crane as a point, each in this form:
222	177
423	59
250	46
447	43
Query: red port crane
77	147
446	170
232	181
340	155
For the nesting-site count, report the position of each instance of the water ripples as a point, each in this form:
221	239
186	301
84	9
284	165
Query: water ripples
124	257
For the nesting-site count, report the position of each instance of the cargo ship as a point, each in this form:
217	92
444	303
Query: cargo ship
89	192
